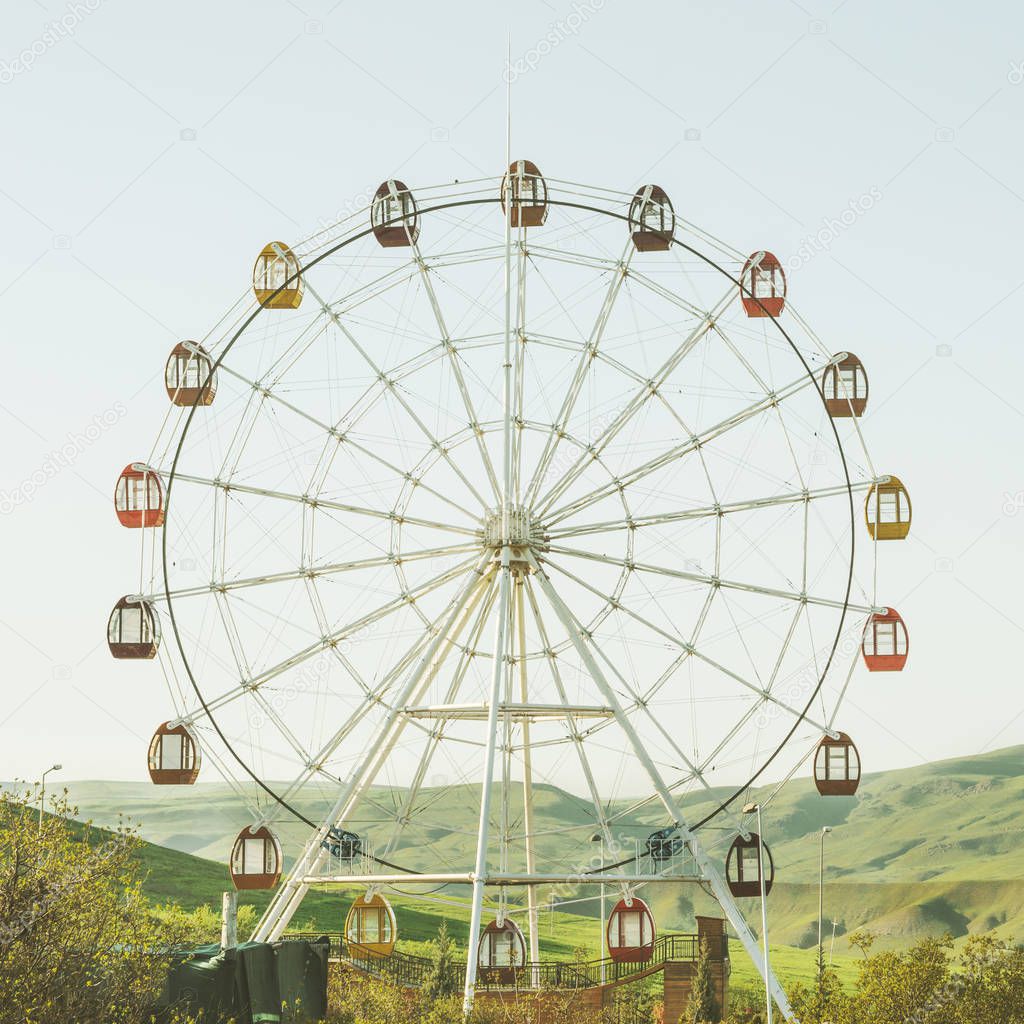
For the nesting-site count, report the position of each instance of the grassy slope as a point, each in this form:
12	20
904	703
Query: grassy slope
920	851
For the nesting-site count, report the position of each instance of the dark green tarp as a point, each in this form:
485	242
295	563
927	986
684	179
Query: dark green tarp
253	983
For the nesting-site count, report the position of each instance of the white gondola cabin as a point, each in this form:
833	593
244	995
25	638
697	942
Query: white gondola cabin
837	766
652	221
256	859
139	497
529	195
133	629
630	932
275	278
370	928
763	285
743	867
393	215
189	375
174	758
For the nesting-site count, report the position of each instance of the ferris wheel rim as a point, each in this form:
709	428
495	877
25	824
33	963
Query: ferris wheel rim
801	718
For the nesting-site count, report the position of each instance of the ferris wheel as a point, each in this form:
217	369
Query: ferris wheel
493	491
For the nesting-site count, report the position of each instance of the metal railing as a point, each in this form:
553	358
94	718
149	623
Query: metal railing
411	971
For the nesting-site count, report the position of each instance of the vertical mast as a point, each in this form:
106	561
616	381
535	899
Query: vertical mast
504	592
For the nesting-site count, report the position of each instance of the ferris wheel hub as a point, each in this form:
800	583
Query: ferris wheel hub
525	533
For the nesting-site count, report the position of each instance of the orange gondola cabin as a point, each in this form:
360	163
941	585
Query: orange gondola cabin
139	497
529	195
763	285
743	867
837	766
173	756
844	385
631	932
501	950
256	859
370	929
393	215
133	629
189	375
275	278
652	221
886	642
887	510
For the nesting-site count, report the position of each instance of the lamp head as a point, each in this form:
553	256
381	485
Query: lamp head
825	829
56	768
750	808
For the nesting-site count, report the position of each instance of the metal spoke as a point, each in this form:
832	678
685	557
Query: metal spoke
676	452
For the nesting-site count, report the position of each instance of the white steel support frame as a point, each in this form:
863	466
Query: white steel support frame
582	642
288	898
500	654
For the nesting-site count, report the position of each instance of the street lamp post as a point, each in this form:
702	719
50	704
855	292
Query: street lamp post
825	829
756	809
42	791
599	837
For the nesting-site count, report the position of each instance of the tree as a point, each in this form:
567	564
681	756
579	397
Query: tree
703	1006
441	981
77	939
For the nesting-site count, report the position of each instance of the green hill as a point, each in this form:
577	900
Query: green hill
927	850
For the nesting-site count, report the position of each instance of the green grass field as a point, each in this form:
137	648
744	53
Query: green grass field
922	851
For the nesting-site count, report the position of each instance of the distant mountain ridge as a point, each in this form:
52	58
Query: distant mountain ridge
918	851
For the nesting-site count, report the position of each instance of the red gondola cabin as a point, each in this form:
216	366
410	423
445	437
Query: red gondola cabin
742	867
886	642
256	859
837	766
652	221
631	932
139	497
845	387
173	756
133	629
529	195
189	376
501	950
393	215
763	285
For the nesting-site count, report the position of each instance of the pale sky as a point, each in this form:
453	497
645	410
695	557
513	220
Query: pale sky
151	151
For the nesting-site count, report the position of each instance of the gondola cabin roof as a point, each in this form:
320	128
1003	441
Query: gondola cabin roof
370	928
139	497
652	221
256	859
844	385
631	932
174	757
393	215
763	285
886	642
837	766
276	281
529	194
189	375
133	629
887	510
741	867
